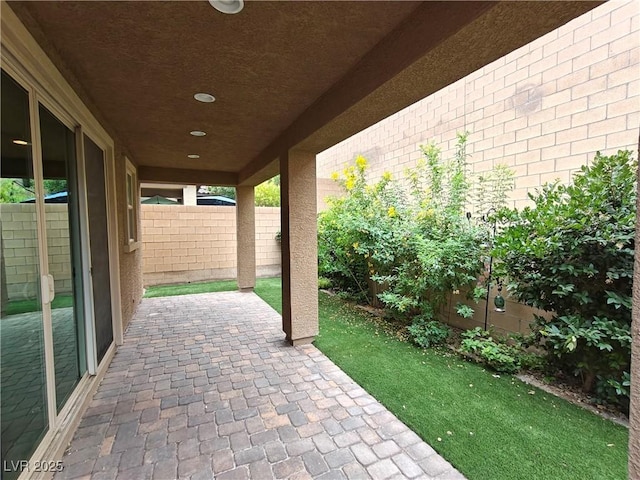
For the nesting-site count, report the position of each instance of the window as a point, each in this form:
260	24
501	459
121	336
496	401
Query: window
132	212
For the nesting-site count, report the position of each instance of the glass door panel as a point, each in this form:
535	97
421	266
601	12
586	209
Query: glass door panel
22	360
61	214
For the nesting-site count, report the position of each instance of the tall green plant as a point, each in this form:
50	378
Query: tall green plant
573	255
267	194
358	233
491	189
411	239
442	249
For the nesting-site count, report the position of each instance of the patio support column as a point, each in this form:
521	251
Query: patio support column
246	235
299	246
634	391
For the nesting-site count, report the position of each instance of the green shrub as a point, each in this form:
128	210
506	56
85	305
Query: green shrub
428	333
357	234
267	194
408	244
324	283
610	390
495	354
573	255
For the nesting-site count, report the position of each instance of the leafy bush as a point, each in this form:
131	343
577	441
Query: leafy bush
324	282
408	244
440	250
573	255
465	311
358	233
614	391
495	354
428	333
267	194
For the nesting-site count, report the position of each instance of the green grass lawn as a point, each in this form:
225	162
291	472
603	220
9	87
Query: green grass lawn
490	428
23	306
189	288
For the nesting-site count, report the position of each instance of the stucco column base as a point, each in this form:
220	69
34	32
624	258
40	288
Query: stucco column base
301	341
299	246
246	290
246	234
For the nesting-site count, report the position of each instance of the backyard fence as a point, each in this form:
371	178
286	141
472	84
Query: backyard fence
197	243
19	249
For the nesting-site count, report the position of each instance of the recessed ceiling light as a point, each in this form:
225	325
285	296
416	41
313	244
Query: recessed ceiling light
193	155
198	133
227	6
20	142
204	97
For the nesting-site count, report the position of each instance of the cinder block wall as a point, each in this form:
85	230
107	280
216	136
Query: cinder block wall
20	249
543	110
195	243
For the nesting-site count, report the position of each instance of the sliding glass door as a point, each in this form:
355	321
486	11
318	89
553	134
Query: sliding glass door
24	383
63	240
50	304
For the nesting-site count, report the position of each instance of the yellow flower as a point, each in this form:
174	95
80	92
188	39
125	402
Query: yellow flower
391	212
335	176
350	183
386	176
361	162
355	245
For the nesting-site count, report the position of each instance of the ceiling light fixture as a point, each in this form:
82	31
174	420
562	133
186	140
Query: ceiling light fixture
193	155
227	6
198	133
20	142
204	97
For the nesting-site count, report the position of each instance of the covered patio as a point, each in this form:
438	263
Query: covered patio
106	96
206	385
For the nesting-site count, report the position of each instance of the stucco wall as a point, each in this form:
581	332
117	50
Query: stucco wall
130	262
194	243
543	110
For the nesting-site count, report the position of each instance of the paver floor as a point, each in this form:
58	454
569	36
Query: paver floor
22	383
205	387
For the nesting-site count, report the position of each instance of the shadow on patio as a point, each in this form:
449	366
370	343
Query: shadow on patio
206	386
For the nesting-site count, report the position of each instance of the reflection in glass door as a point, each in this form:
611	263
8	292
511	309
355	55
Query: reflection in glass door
22	360
61	216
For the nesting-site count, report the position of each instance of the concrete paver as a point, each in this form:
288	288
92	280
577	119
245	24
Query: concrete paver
205	387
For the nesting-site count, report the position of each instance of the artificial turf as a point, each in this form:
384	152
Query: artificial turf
16	307
189	288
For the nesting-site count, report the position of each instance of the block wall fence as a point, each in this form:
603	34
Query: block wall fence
20	249
543	110
196	243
